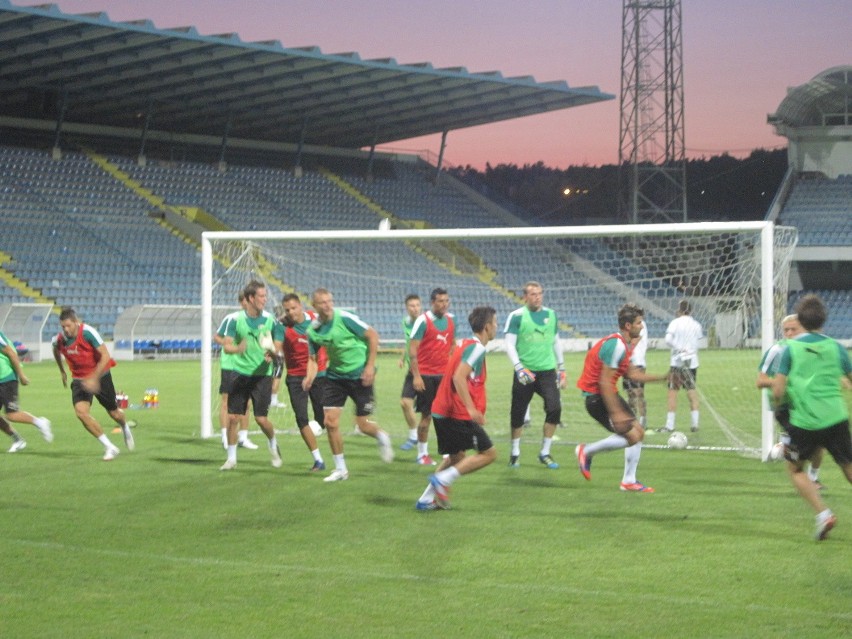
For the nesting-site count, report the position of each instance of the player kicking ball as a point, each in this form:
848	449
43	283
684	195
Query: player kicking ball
606	362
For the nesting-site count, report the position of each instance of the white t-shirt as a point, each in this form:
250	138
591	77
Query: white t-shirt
637	357
682	336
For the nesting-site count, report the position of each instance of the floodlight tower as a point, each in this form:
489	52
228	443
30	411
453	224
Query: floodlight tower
651	152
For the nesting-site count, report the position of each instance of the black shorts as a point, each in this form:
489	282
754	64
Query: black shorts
427	395
337	391
277	368
835	439
257	388
684	378
299	399
782	416
546	385
9	396
105	396
227	382
630	385
457	435
408	391
596	407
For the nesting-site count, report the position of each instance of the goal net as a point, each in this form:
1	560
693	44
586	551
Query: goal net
734	275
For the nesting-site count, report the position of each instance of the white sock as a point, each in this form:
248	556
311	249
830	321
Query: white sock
631	462
224	436
516	446
232	453
642	421
243	436
273	444
545	446
448	475
613	442
813	473
383	437
428	494
422	448
102	439
340	463
40	422
412	434
694	415
317	456
670	420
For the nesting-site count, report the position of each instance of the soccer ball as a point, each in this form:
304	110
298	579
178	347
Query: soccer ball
677	440
267	343
776	453
316	429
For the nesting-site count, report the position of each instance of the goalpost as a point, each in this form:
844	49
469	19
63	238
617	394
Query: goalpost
734	274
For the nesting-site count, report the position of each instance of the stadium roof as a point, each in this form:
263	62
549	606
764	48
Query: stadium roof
115	73
824	101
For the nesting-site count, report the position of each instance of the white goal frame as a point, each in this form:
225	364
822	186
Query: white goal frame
766	229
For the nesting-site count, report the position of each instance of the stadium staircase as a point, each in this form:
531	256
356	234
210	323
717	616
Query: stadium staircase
451	255
11	280
184	222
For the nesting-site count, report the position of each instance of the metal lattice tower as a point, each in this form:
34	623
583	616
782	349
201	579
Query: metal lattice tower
652	153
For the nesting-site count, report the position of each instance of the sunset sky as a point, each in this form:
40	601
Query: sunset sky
740	56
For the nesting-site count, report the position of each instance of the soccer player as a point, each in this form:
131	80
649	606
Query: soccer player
12	374
351	346
228	374
819	418
532	344
432	338
413	308
682	336
297	320
635	389
89	361
790	328
459	412
253	365
605	362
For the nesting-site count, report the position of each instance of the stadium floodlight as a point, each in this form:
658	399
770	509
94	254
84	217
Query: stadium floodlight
735	274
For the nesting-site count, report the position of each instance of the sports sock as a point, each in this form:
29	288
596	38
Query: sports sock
224	436
340	463
428	494
545	446
448	475
412	434
243	436
631	462
813	473
39	422
317	456
516	446
102	439
422	448
670	420
232	453
382	437
273	443
613	442
694	415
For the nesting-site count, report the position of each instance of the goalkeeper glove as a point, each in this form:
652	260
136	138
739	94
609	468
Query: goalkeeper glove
524	375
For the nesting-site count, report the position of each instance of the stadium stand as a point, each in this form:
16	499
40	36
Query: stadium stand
109	216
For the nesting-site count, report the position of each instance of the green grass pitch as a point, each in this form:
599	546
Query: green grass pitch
159	543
